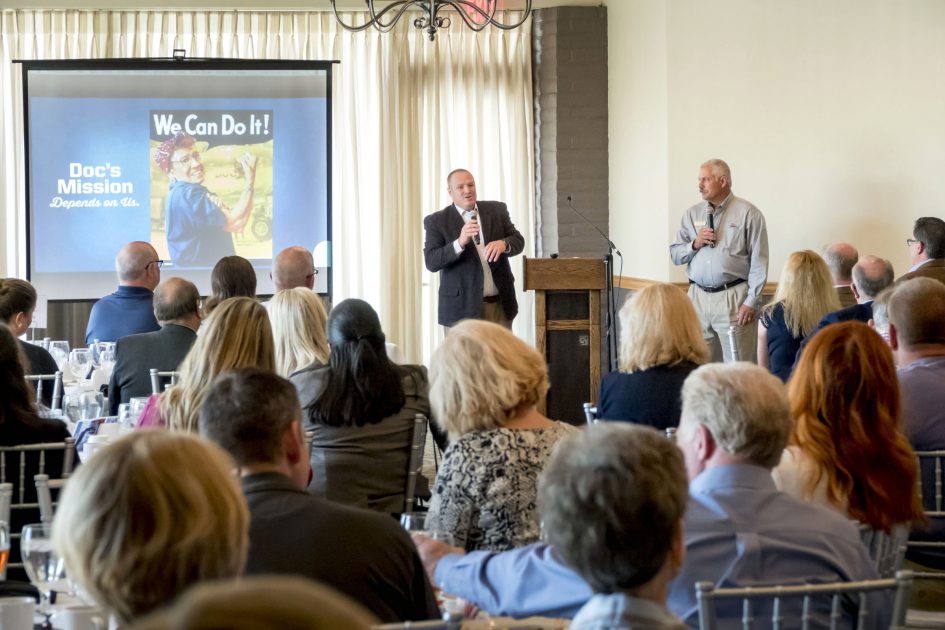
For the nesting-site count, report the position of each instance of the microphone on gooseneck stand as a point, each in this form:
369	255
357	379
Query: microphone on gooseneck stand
604	236
474	216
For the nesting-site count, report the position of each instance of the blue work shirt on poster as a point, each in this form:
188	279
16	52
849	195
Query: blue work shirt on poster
195	227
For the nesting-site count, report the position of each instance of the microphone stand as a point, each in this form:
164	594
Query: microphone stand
611	305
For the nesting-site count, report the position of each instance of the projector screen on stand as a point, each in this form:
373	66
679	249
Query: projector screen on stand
201	159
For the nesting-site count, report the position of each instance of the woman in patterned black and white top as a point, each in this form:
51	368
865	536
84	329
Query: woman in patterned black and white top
485	384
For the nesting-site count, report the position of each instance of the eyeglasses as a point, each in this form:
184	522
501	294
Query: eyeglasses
314	273
159	263
188	159
911	241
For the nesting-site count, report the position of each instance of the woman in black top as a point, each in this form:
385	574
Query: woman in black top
660	344
17	303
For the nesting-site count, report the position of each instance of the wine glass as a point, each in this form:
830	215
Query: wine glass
4	548
43	564
106	358
80	359
59	351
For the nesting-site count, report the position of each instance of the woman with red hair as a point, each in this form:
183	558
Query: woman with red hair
848	450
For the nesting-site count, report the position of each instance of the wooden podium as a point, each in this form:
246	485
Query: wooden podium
567	330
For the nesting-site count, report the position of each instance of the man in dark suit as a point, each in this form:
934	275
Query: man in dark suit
927	247
255	416
840	259
176	304
470	244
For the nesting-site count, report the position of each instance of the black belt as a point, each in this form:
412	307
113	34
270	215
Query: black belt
490	299
721	287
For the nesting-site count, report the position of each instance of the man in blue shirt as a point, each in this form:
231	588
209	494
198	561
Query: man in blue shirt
130	309
739	530
198	222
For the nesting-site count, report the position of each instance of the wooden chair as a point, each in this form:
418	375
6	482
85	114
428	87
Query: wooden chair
56	385
21	463
415	461
158	377
771	598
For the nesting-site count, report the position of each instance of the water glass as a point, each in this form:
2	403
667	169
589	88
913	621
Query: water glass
43	564
59	351
91	405
4	548
80	359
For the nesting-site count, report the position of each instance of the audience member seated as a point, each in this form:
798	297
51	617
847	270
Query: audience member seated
917	337
271	602
232	276
803	297
177	309
149	516
299	324
739	530
361	409
612	502
847	450
927	250
255	416
236	335
17	303
661	343
293	267
128	310
20	424
485	384
880	320
840	259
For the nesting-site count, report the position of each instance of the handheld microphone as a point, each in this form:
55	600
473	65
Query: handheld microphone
710	219
604	236
474	216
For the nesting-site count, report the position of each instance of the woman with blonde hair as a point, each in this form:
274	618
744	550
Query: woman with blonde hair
485	385
148	517
237	334
848	450
805	294
299	323
661	343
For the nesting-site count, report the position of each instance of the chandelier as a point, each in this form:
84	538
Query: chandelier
477	14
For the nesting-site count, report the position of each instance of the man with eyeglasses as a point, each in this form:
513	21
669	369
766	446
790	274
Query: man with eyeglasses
130	309
198	223
927	250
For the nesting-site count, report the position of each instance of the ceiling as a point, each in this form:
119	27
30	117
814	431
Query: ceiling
296	5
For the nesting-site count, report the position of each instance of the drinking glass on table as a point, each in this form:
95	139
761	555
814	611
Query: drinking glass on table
43	564
4	548
80	359
59	351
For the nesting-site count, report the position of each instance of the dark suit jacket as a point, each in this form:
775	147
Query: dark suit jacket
367	556
135	355
461	274
40	362
934	269
857	312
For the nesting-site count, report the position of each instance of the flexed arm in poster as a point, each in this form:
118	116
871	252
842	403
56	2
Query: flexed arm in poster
198	222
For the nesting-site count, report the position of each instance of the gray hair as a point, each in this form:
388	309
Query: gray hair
719	169
174	299
743	406
881	312
872	274
133	259
840	259
611	500
917	310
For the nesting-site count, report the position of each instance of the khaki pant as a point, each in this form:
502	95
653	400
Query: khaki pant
718	313
491	312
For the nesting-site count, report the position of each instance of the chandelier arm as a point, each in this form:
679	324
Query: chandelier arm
489	17
401	7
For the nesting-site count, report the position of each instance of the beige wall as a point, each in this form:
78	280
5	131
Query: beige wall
830	113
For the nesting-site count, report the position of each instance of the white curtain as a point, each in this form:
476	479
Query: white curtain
406	111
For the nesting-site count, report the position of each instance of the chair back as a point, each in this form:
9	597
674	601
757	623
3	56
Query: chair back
44	488
590	412
772	598
56	385
18	466
415	460
888	551
159	378
927	545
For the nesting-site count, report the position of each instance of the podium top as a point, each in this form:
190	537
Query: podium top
562	274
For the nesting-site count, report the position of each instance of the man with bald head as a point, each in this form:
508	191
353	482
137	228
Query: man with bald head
176	308
293	267
128	310
840	259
